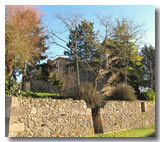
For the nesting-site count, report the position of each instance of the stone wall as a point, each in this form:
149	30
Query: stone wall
121	115
37	117
7	114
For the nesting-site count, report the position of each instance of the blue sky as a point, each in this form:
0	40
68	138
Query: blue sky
139	14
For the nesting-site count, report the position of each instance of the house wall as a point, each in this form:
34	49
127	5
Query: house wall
41	86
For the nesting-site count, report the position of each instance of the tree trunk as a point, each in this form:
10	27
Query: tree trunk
25	83
127	62
95	82
77	71
96	77
77	68
126	74
23	79
9	70
151	82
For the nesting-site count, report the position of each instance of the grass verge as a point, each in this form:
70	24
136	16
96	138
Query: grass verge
39	95
139	132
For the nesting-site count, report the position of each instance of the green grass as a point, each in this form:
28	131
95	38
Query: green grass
139	132
45	95
39	95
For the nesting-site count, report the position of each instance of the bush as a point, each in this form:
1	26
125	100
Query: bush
141	96
88	93
71	93
150	95
11	88
123	92
57	84
69	88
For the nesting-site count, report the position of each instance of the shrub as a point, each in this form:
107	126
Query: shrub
57	83
141	96
88	93
11	88
123	92
71	93
150	95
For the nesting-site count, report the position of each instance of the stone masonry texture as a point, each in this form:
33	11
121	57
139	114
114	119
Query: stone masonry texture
39	117
123	115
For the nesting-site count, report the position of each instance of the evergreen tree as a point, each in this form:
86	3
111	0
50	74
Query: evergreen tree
149	66
123	57
89	50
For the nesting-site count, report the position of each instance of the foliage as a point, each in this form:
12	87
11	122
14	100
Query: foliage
24	38
70	87
141	96
150	95
89	94
123	57
57	83
41	72
89	50
71	93
123	92
11	88
136	78
86	41
149	66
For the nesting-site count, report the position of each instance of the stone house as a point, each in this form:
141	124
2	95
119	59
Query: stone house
66	65
60	64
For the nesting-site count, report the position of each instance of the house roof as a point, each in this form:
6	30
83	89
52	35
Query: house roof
59	58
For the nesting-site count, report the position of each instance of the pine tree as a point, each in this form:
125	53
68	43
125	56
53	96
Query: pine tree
89	50
149	66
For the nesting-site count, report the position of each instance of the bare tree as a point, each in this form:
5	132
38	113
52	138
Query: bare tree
107	22
70	24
